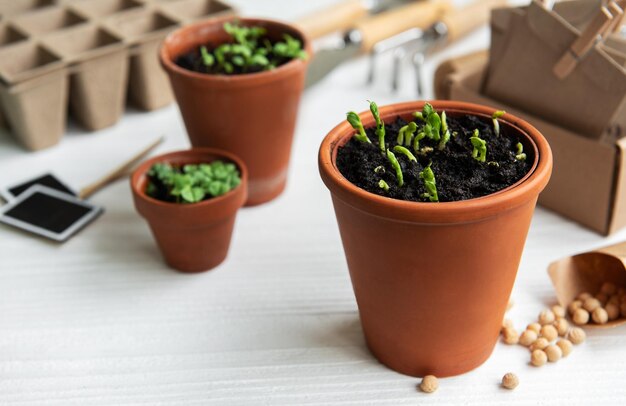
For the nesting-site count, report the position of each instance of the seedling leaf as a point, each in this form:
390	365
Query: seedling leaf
396	166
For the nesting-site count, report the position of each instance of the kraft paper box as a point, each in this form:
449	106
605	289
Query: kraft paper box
588	183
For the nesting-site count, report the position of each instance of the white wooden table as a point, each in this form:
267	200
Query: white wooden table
101	320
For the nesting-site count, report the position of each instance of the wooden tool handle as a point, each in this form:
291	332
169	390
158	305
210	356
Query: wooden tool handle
338	17
118	172
464	20
618	15
419	15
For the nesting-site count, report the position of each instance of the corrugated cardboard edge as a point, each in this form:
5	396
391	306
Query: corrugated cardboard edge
581	203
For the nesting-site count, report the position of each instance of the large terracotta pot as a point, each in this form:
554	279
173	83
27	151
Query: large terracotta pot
192	237
434	303
251	115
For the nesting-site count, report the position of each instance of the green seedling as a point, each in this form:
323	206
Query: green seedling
192	183
493	163
383	185
355	122
380	126
496	123
445	137
379	169
405	135
520	155
402	150
396	166
424	151
250	51
416	141
479	152
428	177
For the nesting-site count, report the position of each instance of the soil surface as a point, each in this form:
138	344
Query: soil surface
458	175
192	61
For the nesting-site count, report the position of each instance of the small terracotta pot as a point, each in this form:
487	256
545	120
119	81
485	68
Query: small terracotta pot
192	237
435	304
252	115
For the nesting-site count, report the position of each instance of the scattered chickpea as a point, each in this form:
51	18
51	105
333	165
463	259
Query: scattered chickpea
549	332
562	326
565	346
591	304
536	327
608	288
602	298
584	296
614	300
576	335
510	381
612	311
559	311
553	352
510	336
429	384
600	316
538	358
576	304
580	316
539	344
528	337
546	317
507	323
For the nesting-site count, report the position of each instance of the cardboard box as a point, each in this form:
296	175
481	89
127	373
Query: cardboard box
588	182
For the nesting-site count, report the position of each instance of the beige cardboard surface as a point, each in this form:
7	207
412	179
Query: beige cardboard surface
587	272
520	73
587	184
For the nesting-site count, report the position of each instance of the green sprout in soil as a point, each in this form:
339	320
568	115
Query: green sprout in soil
479	152
496	123
428	176
383	185
402	150
251	51
380	126
520	155
355	122
396	166
416	141
445	137
379	169
405	135
191	183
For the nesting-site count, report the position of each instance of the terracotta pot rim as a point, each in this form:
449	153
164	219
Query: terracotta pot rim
292	66
460	211
146	165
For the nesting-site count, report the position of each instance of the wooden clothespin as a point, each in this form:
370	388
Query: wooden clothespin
618	14
584	43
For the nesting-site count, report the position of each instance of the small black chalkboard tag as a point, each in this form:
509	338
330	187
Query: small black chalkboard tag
49	213
47	179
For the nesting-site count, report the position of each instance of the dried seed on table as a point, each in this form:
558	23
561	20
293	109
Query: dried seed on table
608	288
527	338
553	352
602	298
429	384
614	300
549	332
576	304
559	311
510	381
580	316
576	335
538	358
584	296
600	316
546	317
565	345
612	311
507	323
510	336
591	304
536	327
561	326
539	344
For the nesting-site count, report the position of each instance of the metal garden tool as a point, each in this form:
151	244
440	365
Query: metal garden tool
417	43
366	33
342	16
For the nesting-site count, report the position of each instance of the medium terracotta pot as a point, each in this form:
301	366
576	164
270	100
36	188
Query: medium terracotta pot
435	303
251	115
192	237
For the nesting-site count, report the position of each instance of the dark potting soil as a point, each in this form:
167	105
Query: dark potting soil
192	61
458	175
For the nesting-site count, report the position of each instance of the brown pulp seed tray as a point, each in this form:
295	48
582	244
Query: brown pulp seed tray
88	53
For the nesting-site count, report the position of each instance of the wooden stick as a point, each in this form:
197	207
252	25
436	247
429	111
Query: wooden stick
583	43
118	172
621	21
614	26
